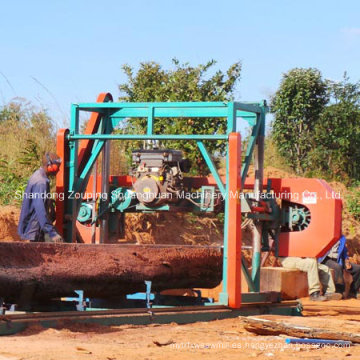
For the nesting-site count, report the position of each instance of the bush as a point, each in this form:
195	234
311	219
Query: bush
297	106
10	184
26	133
353	202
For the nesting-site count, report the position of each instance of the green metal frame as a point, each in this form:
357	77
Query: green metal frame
114	113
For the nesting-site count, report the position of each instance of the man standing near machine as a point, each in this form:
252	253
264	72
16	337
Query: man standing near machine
34	224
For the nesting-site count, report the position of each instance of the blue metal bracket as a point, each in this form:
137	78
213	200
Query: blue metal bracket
147	296
248	278
207	198
81	302
2	307
148	293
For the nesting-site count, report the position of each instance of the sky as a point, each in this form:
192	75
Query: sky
57	52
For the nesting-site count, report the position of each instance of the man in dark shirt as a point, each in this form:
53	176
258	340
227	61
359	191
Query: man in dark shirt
34	221
337	258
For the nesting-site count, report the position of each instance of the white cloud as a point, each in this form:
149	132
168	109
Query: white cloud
351	36
351	31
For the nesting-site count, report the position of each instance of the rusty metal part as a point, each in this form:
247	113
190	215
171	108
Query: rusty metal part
44	270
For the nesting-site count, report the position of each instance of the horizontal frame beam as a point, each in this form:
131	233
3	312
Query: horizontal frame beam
172	112
185	104
175	109
147	137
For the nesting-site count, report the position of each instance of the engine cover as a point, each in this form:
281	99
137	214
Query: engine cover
147	190
159	175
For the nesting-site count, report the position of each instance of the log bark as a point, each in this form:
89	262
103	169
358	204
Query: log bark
335	310
55	270
264	326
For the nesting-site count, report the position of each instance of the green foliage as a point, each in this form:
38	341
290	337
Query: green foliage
26	133
317	125
30	155
272	156
337	134
353	202
151	83
297	106
10	184
221	218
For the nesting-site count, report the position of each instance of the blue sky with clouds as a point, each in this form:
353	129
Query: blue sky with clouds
57	52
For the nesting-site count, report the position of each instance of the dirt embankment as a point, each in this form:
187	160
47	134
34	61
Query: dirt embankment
171	228
189	229
9	218
159	228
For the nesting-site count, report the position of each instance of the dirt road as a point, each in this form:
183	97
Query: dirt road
221	339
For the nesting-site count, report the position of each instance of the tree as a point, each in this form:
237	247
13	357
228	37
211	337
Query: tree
337	134
297	106
184	82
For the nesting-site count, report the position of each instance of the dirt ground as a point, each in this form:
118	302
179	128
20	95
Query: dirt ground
220	339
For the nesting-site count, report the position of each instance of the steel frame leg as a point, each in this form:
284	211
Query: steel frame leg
234	222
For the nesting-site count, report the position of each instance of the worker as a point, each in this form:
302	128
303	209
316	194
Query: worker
34	224
317	275
337	258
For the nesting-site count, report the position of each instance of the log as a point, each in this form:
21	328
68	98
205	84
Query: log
291	327
344	310
45	270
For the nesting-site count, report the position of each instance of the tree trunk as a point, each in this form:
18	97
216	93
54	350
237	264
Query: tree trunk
55	270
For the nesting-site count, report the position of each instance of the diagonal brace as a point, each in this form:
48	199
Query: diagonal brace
212	167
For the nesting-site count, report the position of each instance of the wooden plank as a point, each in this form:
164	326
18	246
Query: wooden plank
291	283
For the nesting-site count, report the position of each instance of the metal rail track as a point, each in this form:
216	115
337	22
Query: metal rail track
62	315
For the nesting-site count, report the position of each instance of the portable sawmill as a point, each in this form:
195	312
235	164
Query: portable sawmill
294	217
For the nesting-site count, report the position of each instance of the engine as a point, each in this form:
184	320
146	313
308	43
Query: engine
159	175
